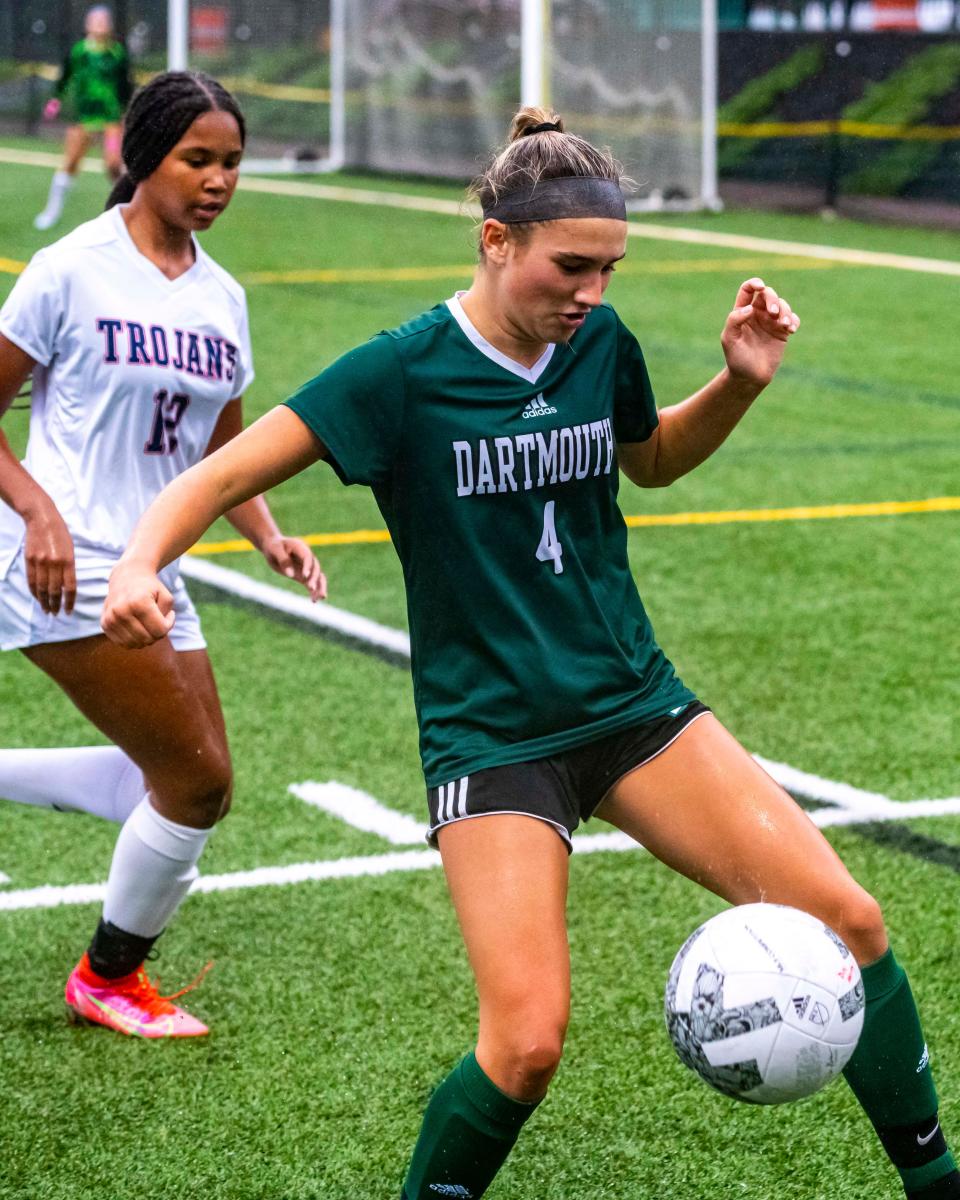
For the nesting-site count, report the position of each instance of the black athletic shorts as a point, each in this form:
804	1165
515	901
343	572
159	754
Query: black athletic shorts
563	789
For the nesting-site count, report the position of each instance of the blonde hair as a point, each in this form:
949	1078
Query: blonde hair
551	154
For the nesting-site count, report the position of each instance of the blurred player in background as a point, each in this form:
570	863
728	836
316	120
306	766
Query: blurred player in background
140	353
492	430
96	81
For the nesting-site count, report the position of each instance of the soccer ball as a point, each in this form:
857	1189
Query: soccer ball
765	1003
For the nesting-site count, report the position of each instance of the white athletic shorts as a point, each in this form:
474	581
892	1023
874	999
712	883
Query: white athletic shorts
24	623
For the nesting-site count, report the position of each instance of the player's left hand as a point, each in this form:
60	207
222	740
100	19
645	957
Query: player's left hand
293	558
756	333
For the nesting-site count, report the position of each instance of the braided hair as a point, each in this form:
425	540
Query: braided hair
158	117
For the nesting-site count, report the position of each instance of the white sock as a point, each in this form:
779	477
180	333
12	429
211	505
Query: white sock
100	780
154	864
59	186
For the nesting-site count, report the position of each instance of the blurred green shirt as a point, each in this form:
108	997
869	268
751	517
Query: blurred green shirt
97	81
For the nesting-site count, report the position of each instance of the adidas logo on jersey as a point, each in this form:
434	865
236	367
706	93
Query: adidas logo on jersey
537	407
451	1189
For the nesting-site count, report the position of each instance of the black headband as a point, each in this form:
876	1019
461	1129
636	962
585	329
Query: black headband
543	127
557	199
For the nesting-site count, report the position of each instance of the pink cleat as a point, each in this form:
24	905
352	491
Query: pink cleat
129	1005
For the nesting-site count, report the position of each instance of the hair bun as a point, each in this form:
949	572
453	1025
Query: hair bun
532	119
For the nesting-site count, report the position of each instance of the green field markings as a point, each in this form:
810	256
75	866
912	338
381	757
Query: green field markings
749	516
461	208
908	841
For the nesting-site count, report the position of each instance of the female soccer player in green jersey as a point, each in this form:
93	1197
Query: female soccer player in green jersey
491	430
96	75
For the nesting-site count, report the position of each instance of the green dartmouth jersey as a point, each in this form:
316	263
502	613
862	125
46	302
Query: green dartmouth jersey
98	79
499	484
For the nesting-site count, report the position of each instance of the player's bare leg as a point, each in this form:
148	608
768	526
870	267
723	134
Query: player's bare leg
76	144
112	142
708	810
161	708
507	876
705	808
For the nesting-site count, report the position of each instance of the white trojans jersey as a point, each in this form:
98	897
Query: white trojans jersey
133	370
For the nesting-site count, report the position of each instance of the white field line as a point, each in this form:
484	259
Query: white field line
308	872
641	229
851	799
362	811
844	254
863	807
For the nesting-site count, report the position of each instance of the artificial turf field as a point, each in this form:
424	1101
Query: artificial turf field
336	1005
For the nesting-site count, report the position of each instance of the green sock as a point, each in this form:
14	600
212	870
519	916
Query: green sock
468	1130
890	1076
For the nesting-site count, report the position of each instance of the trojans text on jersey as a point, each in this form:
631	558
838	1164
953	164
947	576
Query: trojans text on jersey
203	355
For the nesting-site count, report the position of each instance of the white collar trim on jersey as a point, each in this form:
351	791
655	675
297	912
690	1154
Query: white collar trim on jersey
530	374
148	265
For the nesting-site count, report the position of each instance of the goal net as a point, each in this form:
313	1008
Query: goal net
427	87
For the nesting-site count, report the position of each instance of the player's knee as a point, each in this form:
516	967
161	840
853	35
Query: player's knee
210	790
227	801
530	1053
859	921
536	1061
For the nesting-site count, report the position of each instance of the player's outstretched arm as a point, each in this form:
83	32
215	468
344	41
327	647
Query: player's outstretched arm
139	610
289	556
754	339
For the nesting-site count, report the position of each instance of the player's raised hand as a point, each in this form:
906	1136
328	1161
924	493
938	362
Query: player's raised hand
293	558
756	332
138	610
49	559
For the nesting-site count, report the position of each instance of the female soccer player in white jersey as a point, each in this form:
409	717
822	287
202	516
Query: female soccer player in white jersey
139	350
490	430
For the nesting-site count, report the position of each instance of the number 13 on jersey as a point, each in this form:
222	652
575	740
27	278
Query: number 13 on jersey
550	549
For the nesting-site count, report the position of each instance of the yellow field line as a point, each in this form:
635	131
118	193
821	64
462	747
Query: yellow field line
235	83
10	266
861	129
276	91
357	275
355	537
828	512
760	129
408	274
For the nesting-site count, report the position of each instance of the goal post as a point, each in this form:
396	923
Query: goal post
178	35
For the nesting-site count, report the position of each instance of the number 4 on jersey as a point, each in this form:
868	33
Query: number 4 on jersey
550	549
